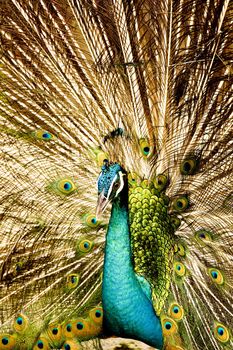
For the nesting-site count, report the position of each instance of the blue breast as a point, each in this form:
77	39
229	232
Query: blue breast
128	312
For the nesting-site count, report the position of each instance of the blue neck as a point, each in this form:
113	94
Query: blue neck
127	310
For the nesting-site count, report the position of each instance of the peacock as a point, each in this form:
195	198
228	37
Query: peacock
116	173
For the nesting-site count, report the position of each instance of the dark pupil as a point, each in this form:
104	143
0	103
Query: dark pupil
66	186
168	326
146	149
220	332
86	245
176	310
214	274
19	321
98	313
178	267
40	345
160	182
67	347
68	328
55	331
73	279
179	204
46	136
4	341
79	326
187	166
202	235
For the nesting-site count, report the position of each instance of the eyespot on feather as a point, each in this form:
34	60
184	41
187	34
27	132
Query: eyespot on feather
145	148
160	182
181	250
100	157
55	332
189	166
43	135
204	237
90	220
71	345
216	276
41	343
96	315
82	329
66	186
176	311
72	280
221	333
85	246
169	326
21	323
7	342
133	179
179	269
68	329
179	204
175	221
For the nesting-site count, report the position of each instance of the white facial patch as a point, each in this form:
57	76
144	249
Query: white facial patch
121	183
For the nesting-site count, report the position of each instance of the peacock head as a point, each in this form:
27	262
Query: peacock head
111	182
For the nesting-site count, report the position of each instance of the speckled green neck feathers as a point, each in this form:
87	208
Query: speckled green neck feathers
127	310
152	236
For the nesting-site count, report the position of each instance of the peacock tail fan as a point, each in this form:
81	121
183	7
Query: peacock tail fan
147	84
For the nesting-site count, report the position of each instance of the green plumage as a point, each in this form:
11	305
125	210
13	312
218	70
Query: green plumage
152	237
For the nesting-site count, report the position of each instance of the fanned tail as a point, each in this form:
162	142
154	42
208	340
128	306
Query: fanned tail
144	83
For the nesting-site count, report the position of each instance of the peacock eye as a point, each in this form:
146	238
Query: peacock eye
179	269
85	246
175	221
90	220
169	326
221	333
180	204
160	182
203	237
43	135
116	185
41	343
21	323
216	276
133	179
63	186
71	344
145	147
7	341
96	315
176	311
72	280
188	166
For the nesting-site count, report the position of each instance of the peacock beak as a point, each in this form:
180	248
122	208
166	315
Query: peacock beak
102	204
